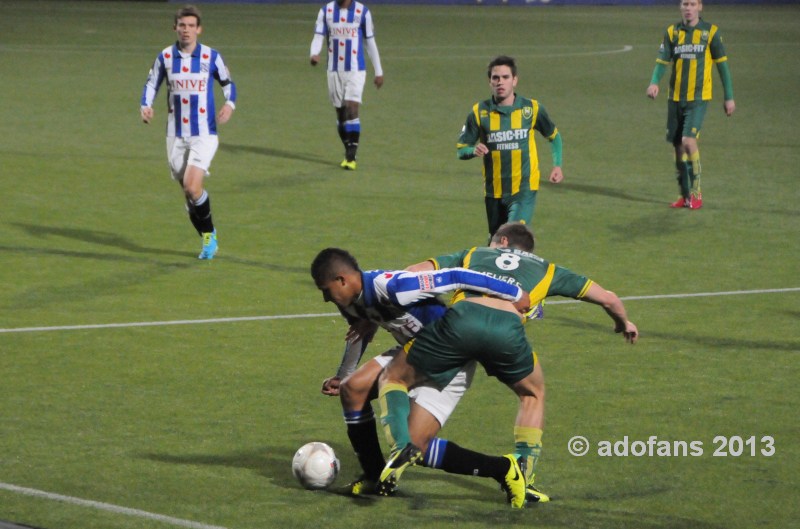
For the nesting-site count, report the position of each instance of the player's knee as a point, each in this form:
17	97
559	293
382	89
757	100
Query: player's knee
352	393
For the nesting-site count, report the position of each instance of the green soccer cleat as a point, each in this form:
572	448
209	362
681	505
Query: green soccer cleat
398	462
348	165
514	484
209	245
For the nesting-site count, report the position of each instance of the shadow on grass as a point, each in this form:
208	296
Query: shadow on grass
613	192
278	153
710	341
113	240
100	238
457	499
271	462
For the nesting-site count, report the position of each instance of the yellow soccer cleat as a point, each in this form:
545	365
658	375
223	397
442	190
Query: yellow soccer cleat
398	462
514	484
534	495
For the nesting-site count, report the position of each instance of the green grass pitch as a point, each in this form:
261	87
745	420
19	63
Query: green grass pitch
194	425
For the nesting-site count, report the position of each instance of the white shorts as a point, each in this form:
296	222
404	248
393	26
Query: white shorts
195	150
440	404
346	86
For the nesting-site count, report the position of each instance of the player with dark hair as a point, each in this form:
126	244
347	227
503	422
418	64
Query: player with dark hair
488	331
347	25
691	46
189	68
368	299
500	131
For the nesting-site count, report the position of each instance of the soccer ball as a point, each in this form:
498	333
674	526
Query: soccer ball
315	465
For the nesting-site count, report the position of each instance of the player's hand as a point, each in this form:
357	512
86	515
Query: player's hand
314	60
330	386
147	114
378	81
652	91
523	304
224	114
480	150
730	107
556	176
628	330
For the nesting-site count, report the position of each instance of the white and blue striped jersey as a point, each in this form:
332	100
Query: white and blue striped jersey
403	302
346	31
190	92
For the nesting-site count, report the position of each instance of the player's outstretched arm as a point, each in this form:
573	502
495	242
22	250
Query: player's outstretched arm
614	308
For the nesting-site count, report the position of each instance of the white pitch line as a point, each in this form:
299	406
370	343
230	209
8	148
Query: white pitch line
162	323
329	314
107	507
690	295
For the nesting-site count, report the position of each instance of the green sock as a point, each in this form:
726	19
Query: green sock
682	167
528	447
395	409
694	173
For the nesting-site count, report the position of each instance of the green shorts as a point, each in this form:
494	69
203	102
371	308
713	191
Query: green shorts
469	331
684	120
516	208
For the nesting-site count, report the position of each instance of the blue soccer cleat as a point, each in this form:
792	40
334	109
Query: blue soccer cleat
210	246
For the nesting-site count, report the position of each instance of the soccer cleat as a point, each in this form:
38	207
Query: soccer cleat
348	165
695	202
363	486
536	312
398	461
681	203
514	484
534	495
209	245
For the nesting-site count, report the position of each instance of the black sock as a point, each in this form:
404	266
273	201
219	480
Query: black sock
363	434
190	209
458	460
351	145
203	213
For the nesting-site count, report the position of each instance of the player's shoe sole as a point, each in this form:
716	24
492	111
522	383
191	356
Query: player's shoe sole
514	484
210	246
398	462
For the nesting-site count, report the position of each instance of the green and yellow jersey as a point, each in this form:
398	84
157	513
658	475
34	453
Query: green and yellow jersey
538	277
512	164
692	51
